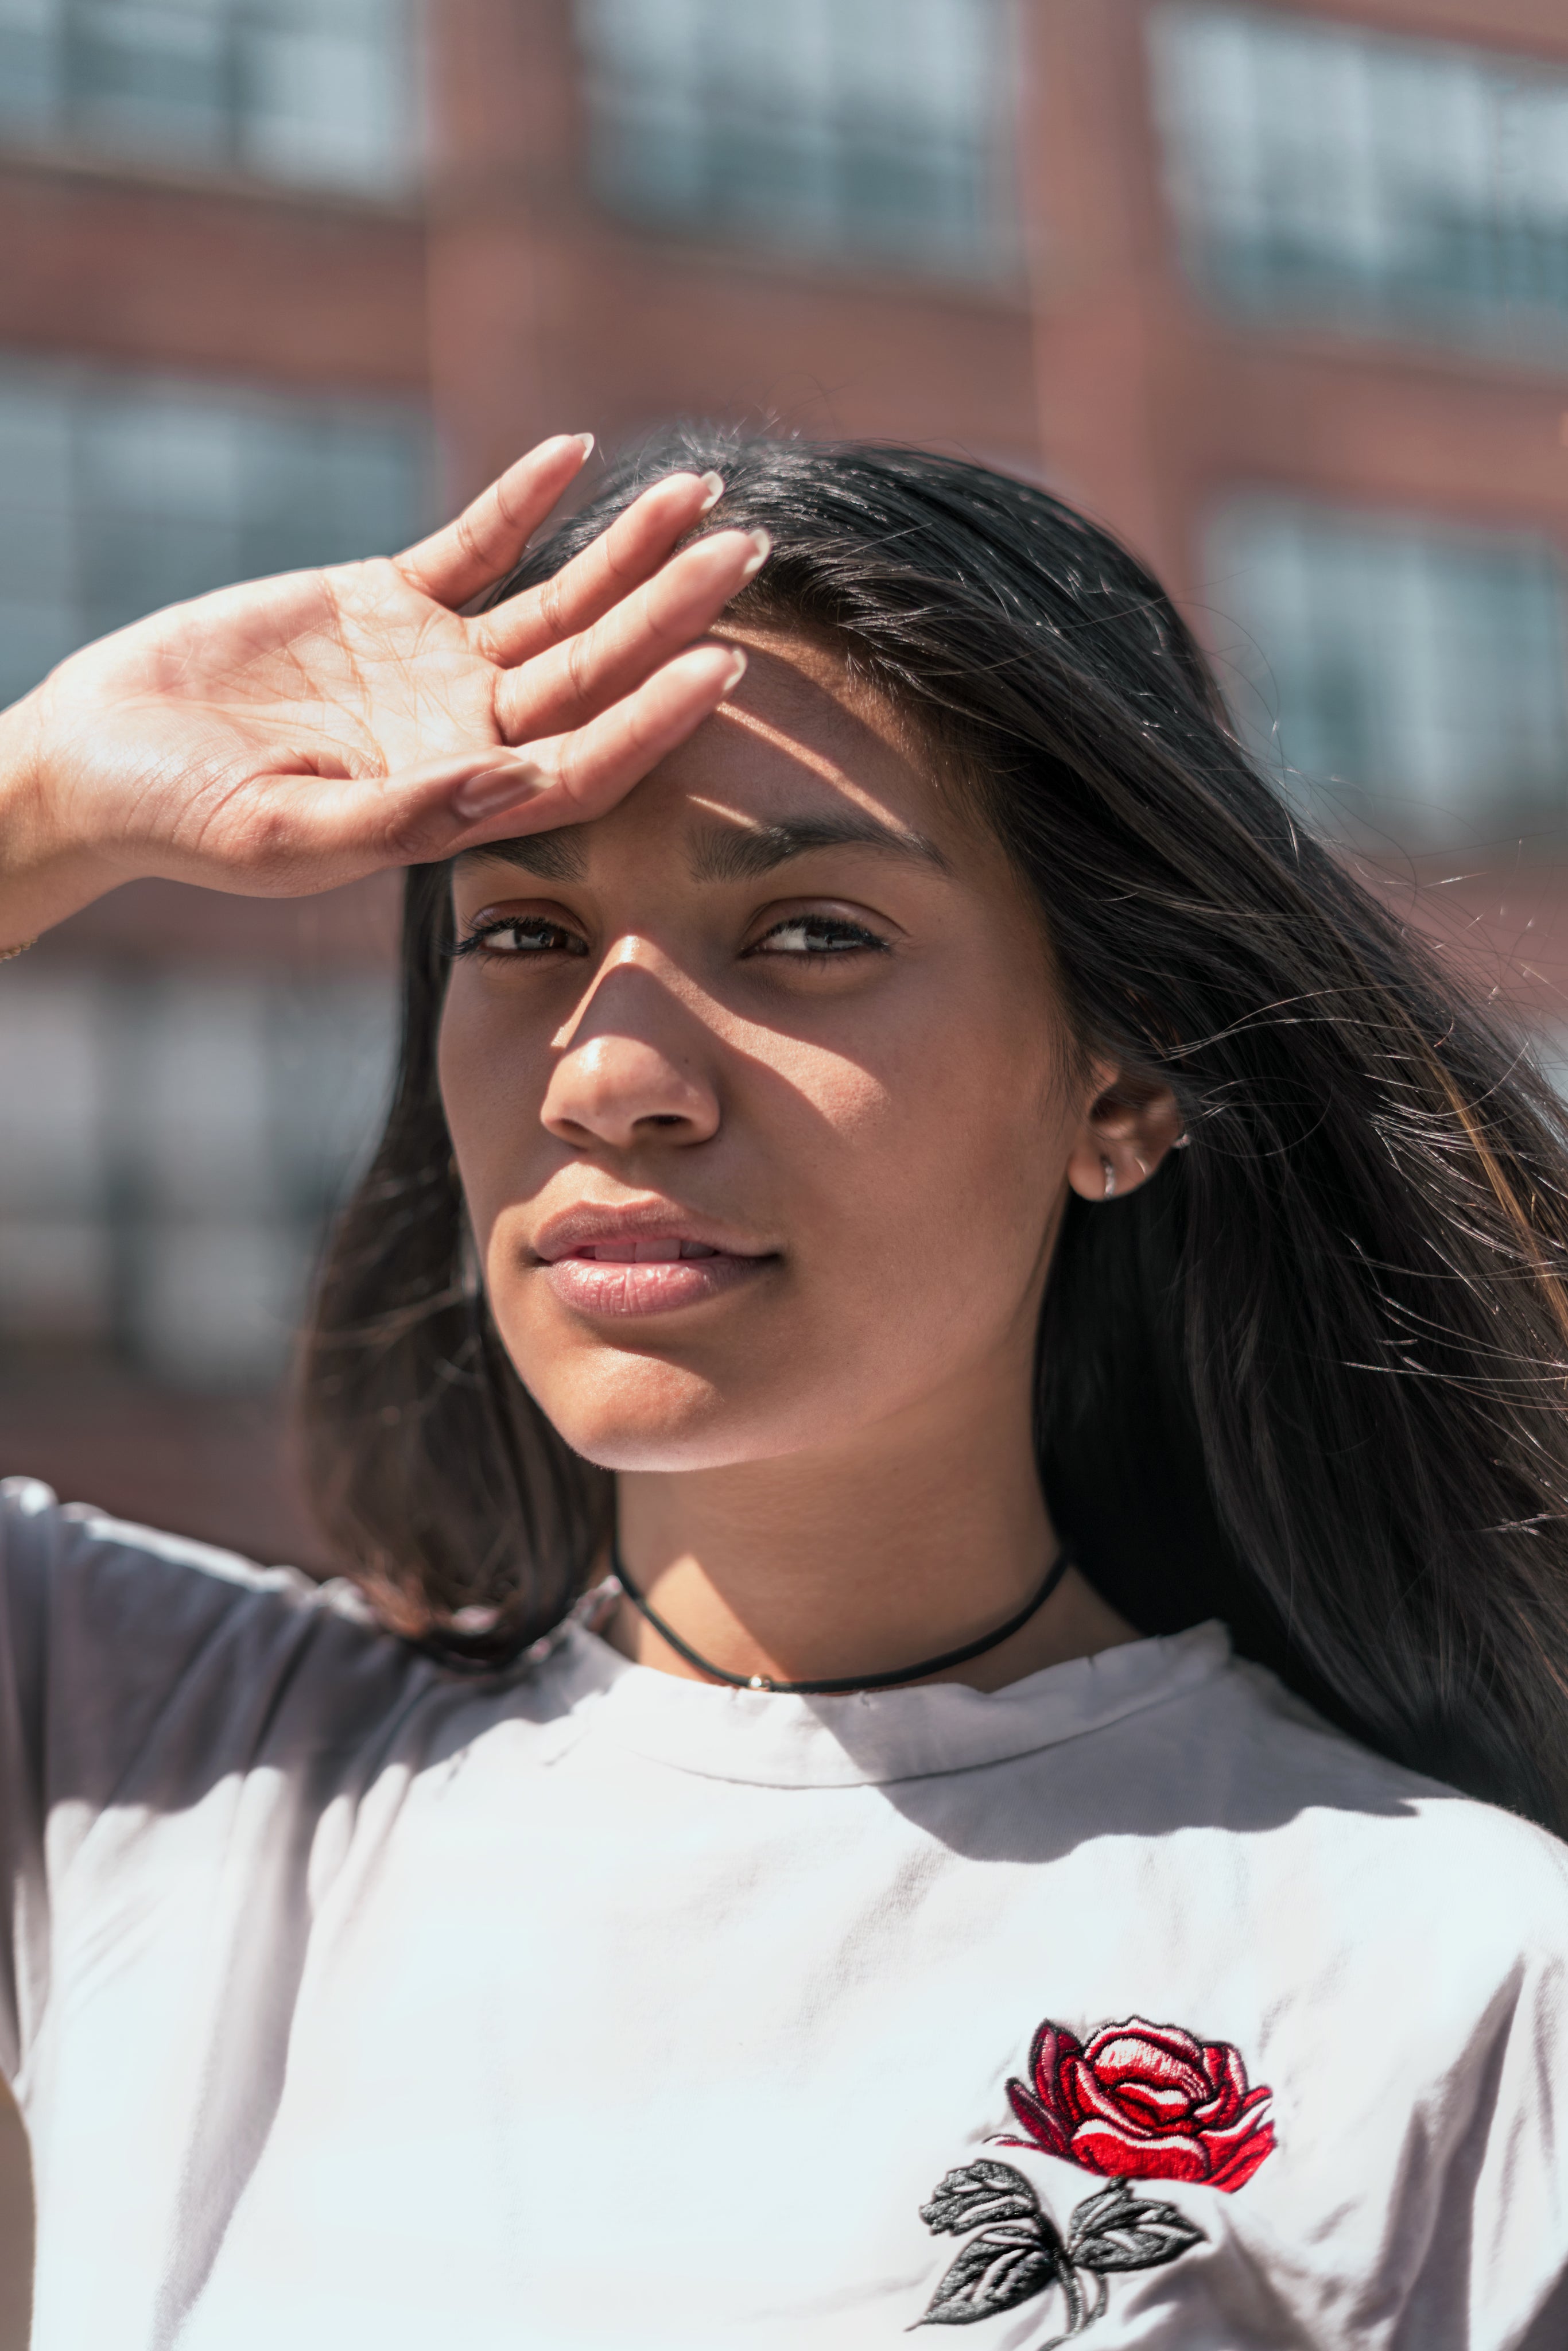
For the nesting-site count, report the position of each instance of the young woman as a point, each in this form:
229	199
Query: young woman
905	1155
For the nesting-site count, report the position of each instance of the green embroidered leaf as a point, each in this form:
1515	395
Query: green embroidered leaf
1118	2231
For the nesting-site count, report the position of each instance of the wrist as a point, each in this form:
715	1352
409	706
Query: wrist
43	874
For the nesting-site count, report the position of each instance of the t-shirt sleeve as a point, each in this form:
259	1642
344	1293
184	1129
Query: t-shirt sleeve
141	1669
1471	2067
1508	2162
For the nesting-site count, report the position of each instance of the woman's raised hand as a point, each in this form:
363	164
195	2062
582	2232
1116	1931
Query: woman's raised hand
281	737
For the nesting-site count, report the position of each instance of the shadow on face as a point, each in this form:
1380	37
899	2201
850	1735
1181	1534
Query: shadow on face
760	1090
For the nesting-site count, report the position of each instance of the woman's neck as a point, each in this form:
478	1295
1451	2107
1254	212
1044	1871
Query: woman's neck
911	1540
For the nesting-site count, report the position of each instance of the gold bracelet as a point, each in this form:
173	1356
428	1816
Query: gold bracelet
7	954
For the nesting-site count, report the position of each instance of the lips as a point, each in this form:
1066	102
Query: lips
642	1252
598	1268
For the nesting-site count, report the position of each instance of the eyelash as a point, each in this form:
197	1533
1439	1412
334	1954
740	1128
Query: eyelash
847	936
547	937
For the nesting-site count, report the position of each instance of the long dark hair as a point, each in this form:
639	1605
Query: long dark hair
1312	1378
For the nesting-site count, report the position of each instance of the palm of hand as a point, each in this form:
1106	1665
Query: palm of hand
287	736
187	728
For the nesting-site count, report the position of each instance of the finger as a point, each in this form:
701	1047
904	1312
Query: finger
629	552
570	778
338	830
562	690
486	538
492	794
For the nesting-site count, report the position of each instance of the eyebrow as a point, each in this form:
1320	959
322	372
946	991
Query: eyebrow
556	856
730	852
741	853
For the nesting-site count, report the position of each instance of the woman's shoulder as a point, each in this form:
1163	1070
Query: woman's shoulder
115	1635
75	1544
1391	1839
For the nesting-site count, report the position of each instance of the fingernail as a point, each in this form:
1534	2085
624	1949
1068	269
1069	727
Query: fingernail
713	485
497	788
735	672
586	440
764	545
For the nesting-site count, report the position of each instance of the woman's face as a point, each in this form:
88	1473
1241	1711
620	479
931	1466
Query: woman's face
759	1091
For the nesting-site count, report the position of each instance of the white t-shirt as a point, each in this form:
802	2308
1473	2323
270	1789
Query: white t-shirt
355	2005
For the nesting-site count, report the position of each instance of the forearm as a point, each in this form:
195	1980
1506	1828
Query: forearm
45	876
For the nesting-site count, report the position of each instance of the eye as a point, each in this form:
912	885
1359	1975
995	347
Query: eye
817	935
515	938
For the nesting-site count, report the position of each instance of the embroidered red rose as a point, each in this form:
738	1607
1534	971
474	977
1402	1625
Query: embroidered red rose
1140	2101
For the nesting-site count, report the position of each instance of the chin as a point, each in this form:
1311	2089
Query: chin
633	1412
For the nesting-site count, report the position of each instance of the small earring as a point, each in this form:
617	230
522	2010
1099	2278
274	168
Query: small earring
1181	1143
1109	1180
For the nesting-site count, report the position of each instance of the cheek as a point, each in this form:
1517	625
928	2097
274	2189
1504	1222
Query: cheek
956	1140
492	1085
919	1189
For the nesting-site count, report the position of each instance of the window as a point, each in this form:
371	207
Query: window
117	497
829	126
318	92
184	1135
1375	183
185	1139
1415	669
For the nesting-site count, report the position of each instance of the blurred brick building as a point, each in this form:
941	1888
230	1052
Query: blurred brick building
213	360
1279	292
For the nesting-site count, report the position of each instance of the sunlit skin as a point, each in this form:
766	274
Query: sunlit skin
834	1072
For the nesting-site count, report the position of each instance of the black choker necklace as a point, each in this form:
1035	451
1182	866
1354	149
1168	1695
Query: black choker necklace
849	1683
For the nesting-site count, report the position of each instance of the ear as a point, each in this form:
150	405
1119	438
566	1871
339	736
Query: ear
1131	1124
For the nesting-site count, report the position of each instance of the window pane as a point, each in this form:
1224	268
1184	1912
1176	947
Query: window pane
873	126
119	496
318	92
186	1140
148	79
1414	673
39	623
324	109
31	83
1333	172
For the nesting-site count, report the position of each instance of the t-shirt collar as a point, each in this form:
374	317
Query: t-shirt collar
875	1737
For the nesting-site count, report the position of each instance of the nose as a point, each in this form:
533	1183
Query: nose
633	1071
